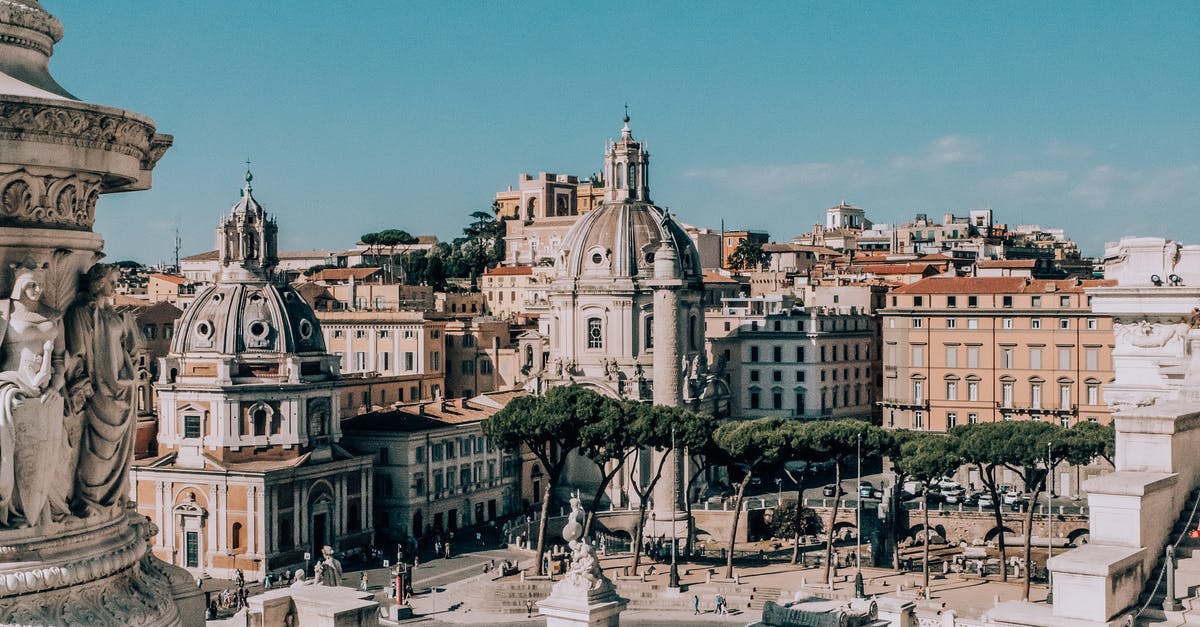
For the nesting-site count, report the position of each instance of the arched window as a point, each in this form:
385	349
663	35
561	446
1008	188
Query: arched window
259	418
595	333
631	177
692	332
235	536
528	355
620	171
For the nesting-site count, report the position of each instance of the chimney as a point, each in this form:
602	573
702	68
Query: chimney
465	404
444	404
421	409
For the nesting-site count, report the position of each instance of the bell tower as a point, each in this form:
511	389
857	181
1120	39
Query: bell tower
626	168
247	241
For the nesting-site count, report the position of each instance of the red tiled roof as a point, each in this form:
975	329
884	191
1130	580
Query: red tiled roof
714	276
1007	263
898	268
999	285
344	274
170	278
508	271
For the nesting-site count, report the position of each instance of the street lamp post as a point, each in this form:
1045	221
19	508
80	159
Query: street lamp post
779	488
673	581
1049	523
858	578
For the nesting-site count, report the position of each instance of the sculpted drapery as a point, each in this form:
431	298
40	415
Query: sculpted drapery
62	456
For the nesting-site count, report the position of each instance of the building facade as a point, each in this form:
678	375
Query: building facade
249	474
958	350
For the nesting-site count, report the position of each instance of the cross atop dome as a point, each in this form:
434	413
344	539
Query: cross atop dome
247	239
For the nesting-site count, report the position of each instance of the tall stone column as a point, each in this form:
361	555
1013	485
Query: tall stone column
75	550
668	388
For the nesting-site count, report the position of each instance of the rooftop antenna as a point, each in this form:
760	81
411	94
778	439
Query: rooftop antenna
178	244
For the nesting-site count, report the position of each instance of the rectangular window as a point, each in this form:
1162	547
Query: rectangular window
952	390
419	455
918	356
1035	359
918	420
777	353
191	426
1093	394
1092	324
951	323
449	449
799	376
1007	302
1064	358
918	323
951	301
595	333
1064	323
753	399
972	323
754	375
1035	395
1064	301
799	402
149	331
972	418
777	375
1035	301
485	366
1064	396
1006	394
972	390
435	361
468	366
918	391
1006	323
972	356
951	420
800	354
972	301
918	301
952	356
1006	357
410	360
753	353
360	360
385	361
1035	323
1091	357
383	456
192	539
777	400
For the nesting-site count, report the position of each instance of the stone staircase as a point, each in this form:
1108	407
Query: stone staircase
1187	574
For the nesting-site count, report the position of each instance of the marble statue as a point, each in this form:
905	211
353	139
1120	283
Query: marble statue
100	380
35	472
584	573
329	569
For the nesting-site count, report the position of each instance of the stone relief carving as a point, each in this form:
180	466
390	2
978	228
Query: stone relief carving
32	429
1147	335
100	382
84	129
48	200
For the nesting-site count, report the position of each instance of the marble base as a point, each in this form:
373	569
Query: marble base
93	573
313	605
599	608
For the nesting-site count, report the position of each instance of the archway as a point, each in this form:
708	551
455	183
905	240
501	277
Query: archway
994	531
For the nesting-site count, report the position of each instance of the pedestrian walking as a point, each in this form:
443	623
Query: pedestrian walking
437	547
529	608
362	581
696	604
446	546
416	561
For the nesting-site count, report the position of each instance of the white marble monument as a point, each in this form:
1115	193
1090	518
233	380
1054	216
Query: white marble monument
584	596
72	551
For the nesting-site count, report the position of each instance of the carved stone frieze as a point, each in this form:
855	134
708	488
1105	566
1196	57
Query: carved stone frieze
17	14
48	199
71	125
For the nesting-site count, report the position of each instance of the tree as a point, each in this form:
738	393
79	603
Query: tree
894	450
607	442
791	520
390	239
661	430
752	446
550	427
840	441
748	255
926	457
984	445
312	270
372	242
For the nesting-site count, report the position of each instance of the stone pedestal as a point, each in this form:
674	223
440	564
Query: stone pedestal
313	606
598	608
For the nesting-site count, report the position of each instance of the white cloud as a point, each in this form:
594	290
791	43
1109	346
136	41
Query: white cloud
945	150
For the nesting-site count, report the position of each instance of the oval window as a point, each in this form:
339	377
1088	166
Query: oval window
217	298
258	328
204	328
597	258
306	329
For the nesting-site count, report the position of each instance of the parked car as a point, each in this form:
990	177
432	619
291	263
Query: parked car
944	484
953	495
985	500
830	490
868	491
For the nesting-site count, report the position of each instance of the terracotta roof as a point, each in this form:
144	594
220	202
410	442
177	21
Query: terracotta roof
1000	285
897	268
715	276
208	256
1007	263
508	271
413	417
344	274
170	278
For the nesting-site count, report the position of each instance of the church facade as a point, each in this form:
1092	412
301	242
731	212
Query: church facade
249	474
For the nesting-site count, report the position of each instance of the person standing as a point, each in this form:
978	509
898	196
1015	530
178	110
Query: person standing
446	546
695	604
362	581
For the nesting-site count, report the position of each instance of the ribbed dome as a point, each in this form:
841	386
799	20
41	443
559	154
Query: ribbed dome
239	318
618	240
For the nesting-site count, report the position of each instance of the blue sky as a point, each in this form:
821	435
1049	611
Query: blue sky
381	114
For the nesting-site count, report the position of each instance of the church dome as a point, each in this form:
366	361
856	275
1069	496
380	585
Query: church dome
620	240
239	318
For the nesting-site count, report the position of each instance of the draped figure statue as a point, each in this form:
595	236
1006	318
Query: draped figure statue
36	464
101	383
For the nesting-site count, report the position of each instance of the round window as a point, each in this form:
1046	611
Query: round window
306	329
204	328
258	328
650	257
594	332
288	296
597	258
217	298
